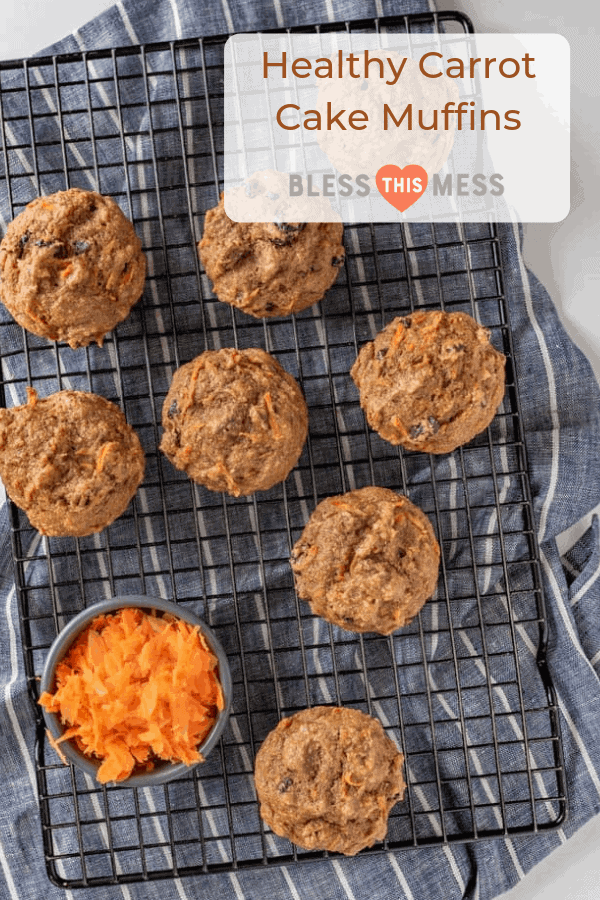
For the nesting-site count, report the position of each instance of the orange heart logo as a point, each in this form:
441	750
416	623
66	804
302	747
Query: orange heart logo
401	187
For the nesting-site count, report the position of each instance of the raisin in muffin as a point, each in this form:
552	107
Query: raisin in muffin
234	421
430	381
327	777
70	461
71	267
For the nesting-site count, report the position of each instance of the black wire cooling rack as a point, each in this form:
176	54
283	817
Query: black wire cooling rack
463	689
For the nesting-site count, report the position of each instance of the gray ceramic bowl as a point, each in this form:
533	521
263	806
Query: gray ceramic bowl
163	771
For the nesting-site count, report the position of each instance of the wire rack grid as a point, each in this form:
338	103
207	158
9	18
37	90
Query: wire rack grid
463	689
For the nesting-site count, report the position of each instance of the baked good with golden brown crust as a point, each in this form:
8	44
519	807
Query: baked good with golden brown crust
327	777
71	267
430	381
367	560
234	420
269	268
70	461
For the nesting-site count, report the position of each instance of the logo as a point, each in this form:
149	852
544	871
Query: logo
401	187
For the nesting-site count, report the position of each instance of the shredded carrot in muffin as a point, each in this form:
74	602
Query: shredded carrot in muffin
135	688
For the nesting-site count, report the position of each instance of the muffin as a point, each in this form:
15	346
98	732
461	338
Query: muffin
327	777
348	151
234	421
70	461
270	268
367	560
71	267
430	381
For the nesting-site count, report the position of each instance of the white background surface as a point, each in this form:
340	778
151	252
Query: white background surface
564	256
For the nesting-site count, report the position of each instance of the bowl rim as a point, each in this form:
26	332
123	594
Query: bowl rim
67	636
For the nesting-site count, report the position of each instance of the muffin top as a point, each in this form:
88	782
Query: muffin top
270	268
71	267
70	461
327	777
367	560
430	381
234	421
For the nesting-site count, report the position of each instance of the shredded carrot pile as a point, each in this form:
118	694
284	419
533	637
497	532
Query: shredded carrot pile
135	688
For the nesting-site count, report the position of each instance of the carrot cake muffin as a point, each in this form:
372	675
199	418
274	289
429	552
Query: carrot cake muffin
270	268
70	461
367	560
327	777
430	381
71	267
234	421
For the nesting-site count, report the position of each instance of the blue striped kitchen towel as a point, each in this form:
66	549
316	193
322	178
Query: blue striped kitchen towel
560	417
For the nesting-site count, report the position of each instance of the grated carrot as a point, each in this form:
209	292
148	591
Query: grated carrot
56	748
32	397
272	418
342	505
136	688
398	335
396	421
104	451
